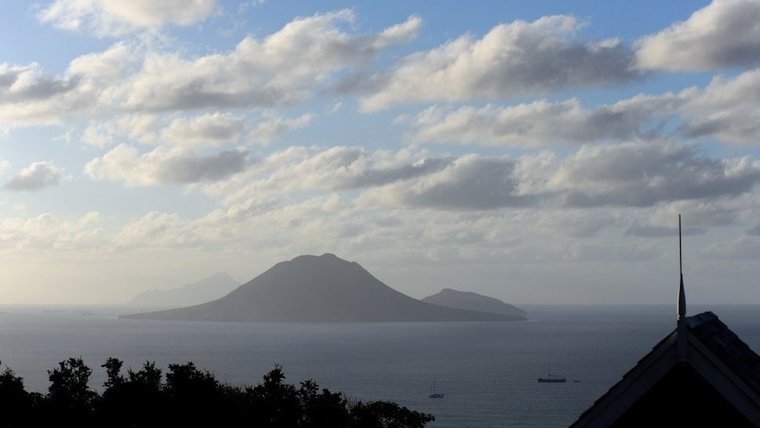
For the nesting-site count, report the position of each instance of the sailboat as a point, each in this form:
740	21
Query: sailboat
550	378
434	394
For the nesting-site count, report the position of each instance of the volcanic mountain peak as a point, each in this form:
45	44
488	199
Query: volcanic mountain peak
322	288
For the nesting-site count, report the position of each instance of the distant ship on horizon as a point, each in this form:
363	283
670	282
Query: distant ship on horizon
434	394
551	378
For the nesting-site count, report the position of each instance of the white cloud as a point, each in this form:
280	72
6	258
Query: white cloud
744	247
645	174
333	169
29	95
724	34
726	108
113	64
271	129
205	130
511	60
701	214
22	83
537	123
234	228
341	168
193	131
470	182
36	176
282	69
138	127
157	228
164	166
114	18
399	33
97	135
636	174
47	232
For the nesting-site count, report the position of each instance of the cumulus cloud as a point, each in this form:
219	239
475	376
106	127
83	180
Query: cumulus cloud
36	176
29	83
652	231
635	174
334	169
271	129
469	182
114	18
511	60
139	127
341	168
281	69
705	213
208	129
726	108
29	95
164	166
540	123
644	174
47	232
745	247
574	223
158	228
725	33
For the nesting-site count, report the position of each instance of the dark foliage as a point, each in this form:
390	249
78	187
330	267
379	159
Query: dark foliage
188	397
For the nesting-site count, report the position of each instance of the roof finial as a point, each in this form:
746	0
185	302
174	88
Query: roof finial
681	292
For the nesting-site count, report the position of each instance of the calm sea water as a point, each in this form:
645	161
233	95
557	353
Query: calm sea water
487	371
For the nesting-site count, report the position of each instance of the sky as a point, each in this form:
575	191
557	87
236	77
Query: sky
538	152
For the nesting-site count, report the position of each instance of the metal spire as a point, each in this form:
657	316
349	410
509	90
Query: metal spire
681	292
681	331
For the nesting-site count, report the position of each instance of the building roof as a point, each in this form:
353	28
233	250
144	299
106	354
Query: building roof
711	352
727	347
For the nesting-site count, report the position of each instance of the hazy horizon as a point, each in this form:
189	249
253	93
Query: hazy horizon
534	152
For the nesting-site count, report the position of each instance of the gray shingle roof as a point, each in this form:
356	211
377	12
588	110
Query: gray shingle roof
727	346
710	331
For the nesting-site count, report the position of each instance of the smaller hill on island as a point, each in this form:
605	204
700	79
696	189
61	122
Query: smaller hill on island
322	288
207	289
451	298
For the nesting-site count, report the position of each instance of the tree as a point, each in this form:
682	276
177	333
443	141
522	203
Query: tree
322	408
273	403
190	397
16	402
136	400
385	414
113	372
196	397
69	397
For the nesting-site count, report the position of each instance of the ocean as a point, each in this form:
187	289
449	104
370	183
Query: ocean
487	370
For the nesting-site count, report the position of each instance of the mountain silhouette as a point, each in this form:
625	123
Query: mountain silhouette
211	288
319	289
472	301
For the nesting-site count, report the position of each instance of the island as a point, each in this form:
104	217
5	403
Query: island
473	301
322	288
207	289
